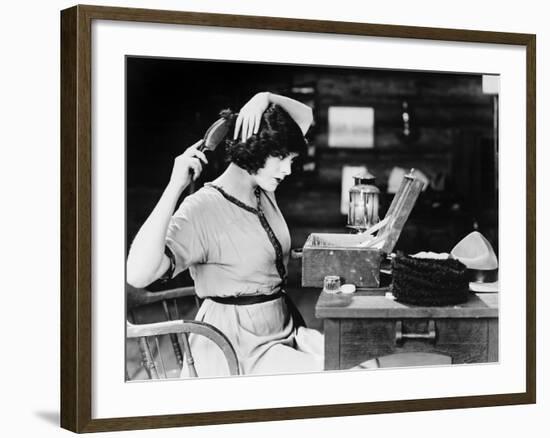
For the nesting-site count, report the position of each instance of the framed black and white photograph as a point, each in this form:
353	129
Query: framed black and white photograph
304	218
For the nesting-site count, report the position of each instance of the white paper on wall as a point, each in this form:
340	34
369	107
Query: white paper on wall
351	127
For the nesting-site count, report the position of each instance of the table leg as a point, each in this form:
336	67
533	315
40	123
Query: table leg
492	341
332	344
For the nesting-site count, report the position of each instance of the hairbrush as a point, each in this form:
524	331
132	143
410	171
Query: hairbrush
214	135
217	132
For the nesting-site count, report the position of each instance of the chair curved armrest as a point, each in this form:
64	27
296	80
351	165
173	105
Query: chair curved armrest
184	327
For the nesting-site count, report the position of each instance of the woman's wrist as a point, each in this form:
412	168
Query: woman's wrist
174	189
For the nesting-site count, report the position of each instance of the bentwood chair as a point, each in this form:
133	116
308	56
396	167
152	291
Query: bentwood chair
164	346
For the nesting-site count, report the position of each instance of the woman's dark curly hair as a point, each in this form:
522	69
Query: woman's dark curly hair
278	136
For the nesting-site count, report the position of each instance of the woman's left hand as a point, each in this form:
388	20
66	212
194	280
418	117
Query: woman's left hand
250	116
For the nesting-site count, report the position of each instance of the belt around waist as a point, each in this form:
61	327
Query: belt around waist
245	300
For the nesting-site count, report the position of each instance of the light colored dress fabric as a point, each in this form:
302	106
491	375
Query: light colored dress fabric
228	253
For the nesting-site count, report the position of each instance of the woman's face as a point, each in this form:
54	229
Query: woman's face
274	171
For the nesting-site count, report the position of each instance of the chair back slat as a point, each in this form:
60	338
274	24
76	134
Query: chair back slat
188	356
176	311
161	359
177	348
147	358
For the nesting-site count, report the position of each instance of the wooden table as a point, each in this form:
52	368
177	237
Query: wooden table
371	324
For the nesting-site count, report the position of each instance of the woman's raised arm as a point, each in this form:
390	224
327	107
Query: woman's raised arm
250	115
146	260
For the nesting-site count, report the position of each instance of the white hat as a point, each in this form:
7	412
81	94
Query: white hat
478	255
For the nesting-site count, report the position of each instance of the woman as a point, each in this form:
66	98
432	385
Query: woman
235	242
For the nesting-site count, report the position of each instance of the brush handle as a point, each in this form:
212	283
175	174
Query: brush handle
201	147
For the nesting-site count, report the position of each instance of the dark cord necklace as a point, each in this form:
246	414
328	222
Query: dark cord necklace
279	261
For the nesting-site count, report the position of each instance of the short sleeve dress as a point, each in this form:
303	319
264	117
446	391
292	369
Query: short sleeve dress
230	252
